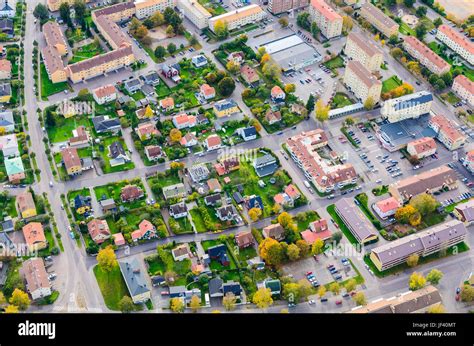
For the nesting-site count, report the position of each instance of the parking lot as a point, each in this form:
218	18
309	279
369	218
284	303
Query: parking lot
319	269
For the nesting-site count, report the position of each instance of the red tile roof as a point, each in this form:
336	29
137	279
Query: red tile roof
388	204
326	10
426	51
455	36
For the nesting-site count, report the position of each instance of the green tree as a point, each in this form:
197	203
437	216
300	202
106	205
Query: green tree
437	22
283	21
293	252
409	3
160	52
424	203
80	10
41	12
434	276
393	39
310	103
315	30
226	86
126	304
65	13
420	31
303	21
421	11
171	48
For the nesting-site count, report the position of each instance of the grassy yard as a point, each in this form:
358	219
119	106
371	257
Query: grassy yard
405	29
7	205
304	224
391	83
112	286
334	63
438	48
63	128
198	220
450	97
216	265
340	100
104	153
113	191
49	88
86	52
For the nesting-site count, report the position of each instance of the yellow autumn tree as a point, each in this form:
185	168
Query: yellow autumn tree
175	135
255	214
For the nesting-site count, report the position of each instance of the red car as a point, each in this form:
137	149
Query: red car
338	302
353	293
309	273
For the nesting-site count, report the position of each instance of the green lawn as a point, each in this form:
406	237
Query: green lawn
104	153
438	48
304	224
340	100
334	63
113	191
7	205
450	97
49	88
198	221
406	29
112	286
63	128
86	52
391	83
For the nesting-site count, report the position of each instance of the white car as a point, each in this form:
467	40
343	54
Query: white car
311	302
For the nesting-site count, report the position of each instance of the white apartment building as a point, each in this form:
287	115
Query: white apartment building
361	49
238	18
421	52
195	12
361	82
145	8
447	132
407	107
464	88
328	20
379	20
457	42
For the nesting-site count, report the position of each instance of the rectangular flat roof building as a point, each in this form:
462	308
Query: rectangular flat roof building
356	221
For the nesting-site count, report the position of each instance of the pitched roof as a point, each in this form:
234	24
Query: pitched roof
102	59
131	192
134	276
104	91
5	65
274	231
357	222
98	227
326	11
459	39
213	140
423	145
35	274
33	233
214	184
167	102
25	201
53	34
244	238
447	127
70	158
388	204
426	52
465	82
362	73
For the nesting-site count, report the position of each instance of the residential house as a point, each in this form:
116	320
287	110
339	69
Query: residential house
298	109
105	124
5	91
273	117
178	210
26	205
189	140
7	225
293	192
181	252
146	230
212	142
219	253
146	112
34	236
213	200
274	285
283	199
198	172
247	133
207	92
171	72
105	94
6	27
108	205
71	161
82	204
254	202
147	131
9	145
132	85
135	279
5	69
227	165
236	57
15	170
7	121
225	107
214	185
277	94
98	230
317	230
465	212
117	154
152	78
36	277
80	137
274	231
183	120
167	104
148	91
227	213
131	193
249	74
199	60
174	191
386	207
217	288
154	152
7	11
244	239
265	165
119	240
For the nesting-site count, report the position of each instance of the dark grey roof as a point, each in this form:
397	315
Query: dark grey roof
5	89
5	241
233	287
7	225
6	24
266	170
213	199
6	118
177	291
215	286
266	159
430	238
101	124
355	220
226	211
238	197
132	83
147	90
178	208
133	276
250	131
153	76
116	150
411	100
225	104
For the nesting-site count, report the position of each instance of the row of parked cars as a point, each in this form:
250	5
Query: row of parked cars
459	198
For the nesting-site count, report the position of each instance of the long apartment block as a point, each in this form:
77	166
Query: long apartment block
361	49
456	42
327	19
409	106
421	52
240	17
379	20
361	82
